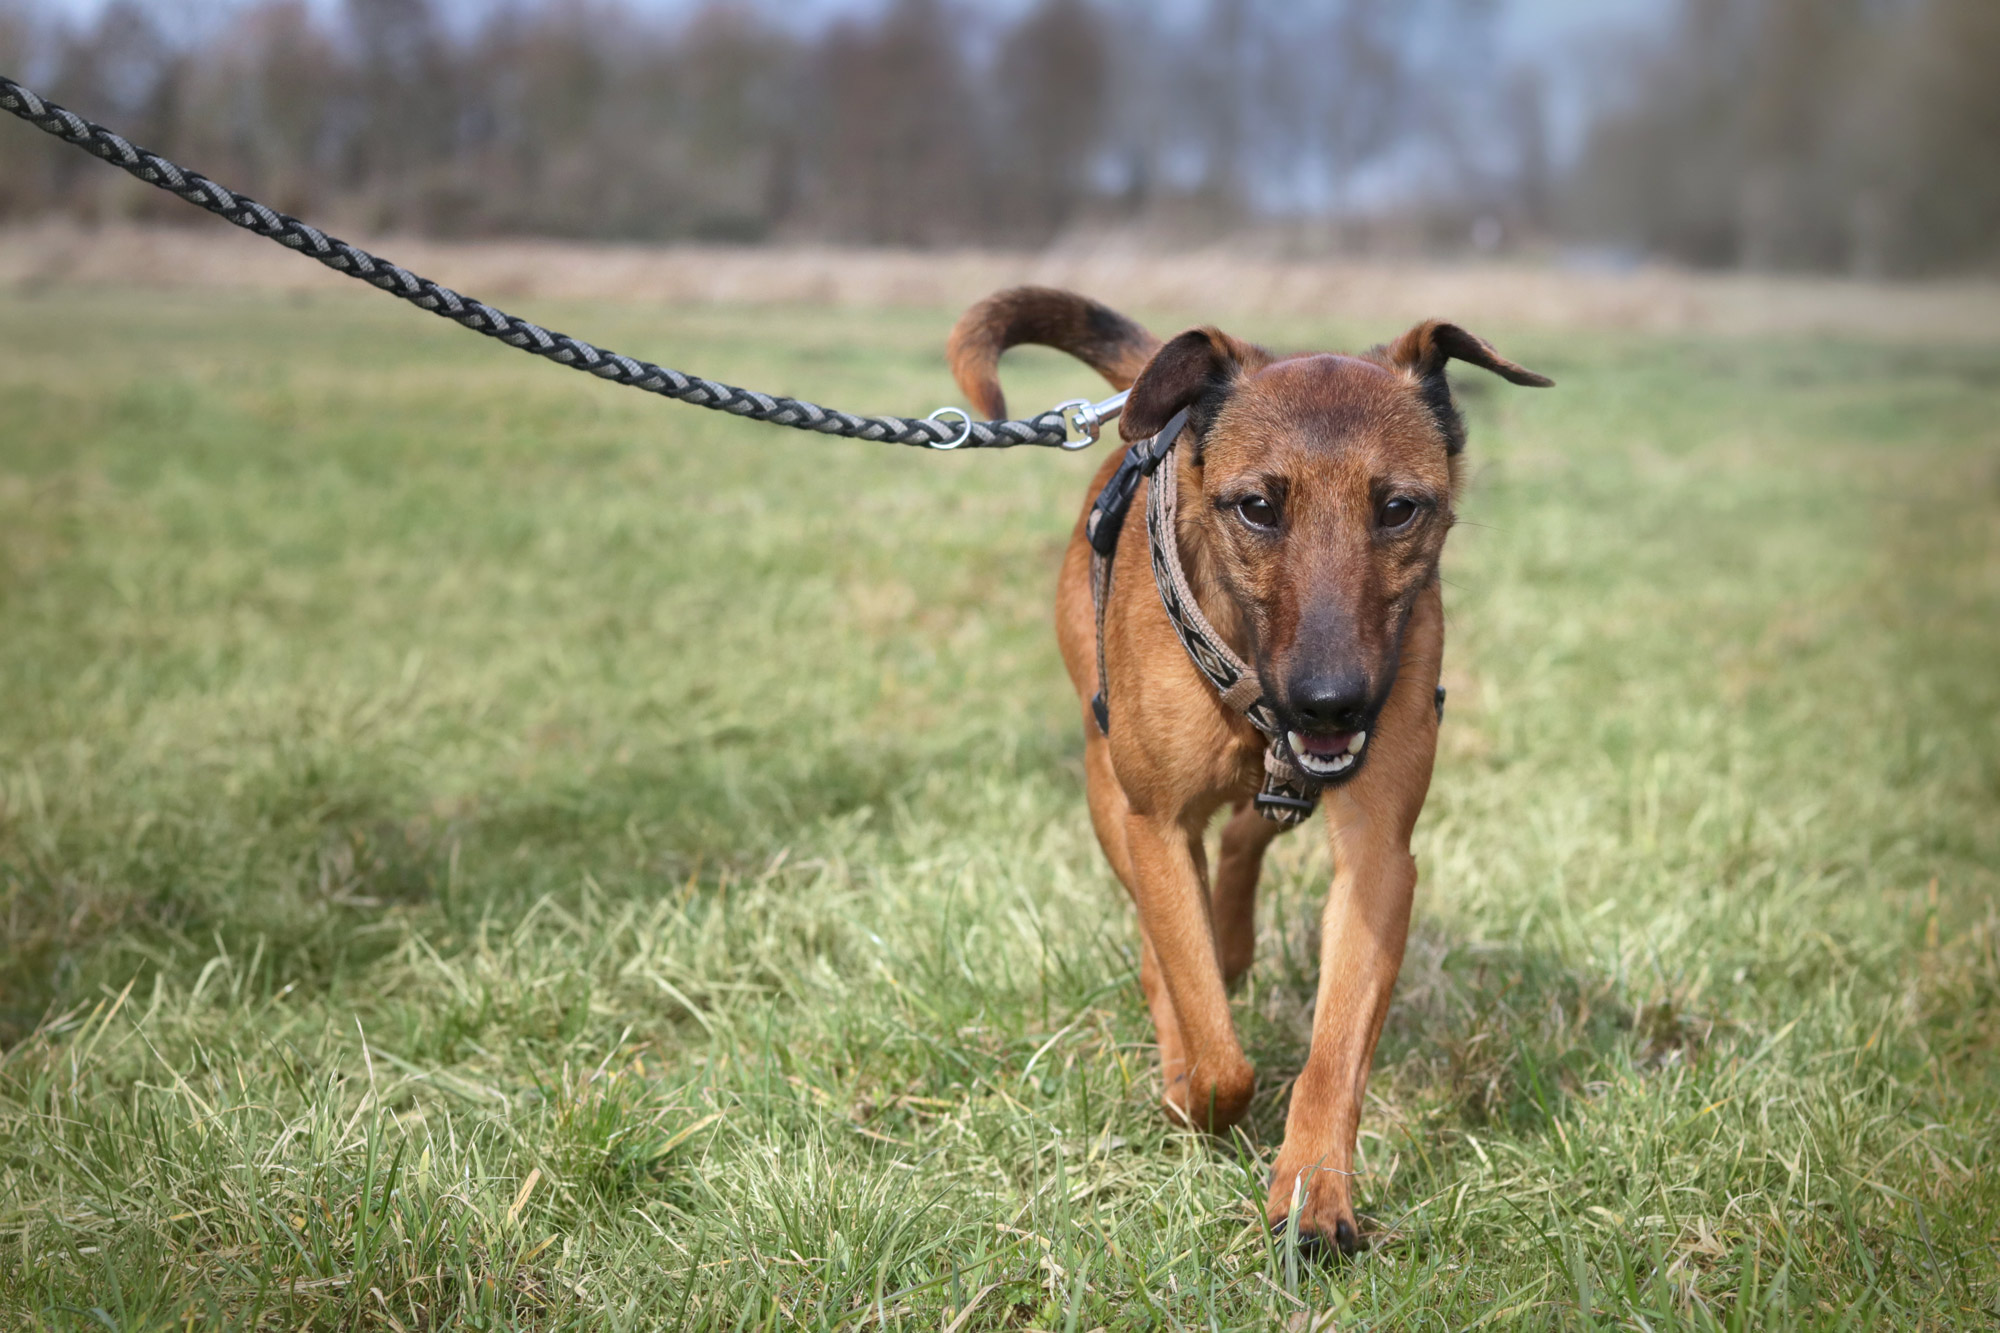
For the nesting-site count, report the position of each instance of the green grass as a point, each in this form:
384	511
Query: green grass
479	848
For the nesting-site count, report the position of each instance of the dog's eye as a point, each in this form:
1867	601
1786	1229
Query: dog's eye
1397	513
1257	511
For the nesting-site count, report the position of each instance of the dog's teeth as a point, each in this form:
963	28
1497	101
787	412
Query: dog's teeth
1325	765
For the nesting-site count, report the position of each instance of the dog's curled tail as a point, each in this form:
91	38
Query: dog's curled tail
1094	334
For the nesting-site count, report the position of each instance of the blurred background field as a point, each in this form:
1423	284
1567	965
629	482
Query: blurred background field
477	846
1215	280
480	849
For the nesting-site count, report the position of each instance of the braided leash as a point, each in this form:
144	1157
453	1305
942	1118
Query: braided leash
930	432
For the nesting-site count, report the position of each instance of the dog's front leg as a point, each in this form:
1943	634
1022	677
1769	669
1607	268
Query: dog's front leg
1365	924
1212	1088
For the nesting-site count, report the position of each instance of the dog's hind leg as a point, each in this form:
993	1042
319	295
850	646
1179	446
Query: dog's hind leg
1166	1023
1234	896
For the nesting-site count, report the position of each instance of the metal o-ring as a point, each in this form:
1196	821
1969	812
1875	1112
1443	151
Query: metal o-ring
964	418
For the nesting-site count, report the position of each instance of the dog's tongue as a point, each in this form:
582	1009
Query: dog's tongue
1331	744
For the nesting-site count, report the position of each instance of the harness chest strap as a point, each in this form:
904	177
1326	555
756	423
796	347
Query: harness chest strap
1289	795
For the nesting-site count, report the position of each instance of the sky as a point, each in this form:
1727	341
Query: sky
1561	38
1529	23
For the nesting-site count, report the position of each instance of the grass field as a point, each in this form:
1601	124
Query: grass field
480	848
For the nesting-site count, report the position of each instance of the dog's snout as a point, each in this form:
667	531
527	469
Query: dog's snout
1330	700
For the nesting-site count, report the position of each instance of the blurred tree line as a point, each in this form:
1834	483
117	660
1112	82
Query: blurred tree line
1855	134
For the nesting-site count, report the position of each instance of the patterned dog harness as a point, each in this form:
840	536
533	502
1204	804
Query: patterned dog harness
1289	794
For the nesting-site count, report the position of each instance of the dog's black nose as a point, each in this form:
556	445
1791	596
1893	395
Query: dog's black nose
1330	701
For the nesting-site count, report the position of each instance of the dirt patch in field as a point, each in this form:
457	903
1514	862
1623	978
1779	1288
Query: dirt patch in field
1218	282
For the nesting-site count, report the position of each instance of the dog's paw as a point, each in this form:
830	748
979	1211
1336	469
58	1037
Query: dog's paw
1343	1241
1210	1105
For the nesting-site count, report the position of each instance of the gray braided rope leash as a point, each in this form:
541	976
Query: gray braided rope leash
930	432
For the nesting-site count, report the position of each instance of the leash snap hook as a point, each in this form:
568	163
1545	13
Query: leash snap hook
965	423
1086	419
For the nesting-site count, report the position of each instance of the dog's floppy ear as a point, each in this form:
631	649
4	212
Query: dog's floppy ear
1425	349
1423	352
1194	371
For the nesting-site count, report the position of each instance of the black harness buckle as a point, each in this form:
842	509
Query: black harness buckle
1114	501
1107	512
1271	804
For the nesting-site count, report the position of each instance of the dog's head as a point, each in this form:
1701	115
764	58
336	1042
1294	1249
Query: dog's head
1326	489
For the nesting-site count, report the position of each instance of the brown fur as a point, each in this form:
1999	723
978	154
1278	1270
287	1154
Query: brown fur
1329	593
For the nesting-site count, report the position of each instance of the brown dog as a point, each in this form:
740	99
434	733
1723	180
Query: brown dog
1313	497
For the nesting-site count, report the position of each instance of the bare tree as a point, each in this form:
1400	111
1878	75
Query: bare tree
1774	133
735	79
1663	171
535	124
898	159
1947	187
258	107
124	64
402	112
1050	90
1366	81
1822	134
27	168
1798	170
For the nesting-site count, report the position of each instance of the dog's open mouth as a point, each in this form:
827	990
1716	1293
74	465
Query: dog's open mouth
1328	754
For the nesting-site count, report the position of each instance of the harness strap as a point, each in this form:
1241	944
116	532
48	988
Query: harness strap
1288	795
1101	530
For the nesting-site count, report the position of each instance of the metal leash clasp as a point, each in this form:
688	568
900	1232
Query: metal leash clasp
1086	419
1083	421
